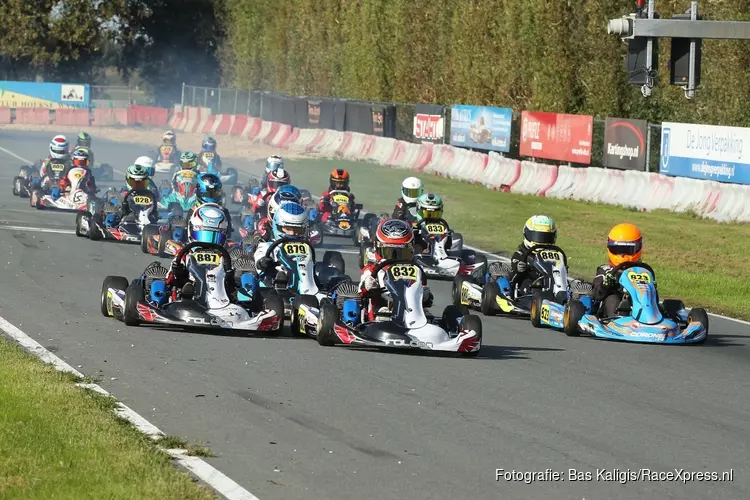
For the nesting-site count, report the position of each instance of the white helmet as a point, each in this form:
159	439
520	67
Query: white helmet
290	221
145	162
58	147
411	189
168	137
208	224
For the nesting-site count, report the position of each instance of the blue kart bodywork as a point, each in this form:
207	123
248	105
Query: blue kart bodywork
228	177
645	322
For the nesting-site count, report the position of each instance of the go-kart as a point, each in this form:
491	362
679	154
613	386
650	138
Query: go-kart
439	262
102	222
76	198
202	303
639	317
28	177
402	323
343	218
296	271
103	172
496	292
240	194
178	195
166	160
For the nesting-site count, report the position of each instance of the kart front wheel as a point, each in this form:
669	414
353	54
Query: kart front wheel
472	322
298	330
116	282
701	316
326	321
133	295
79	221
458	283
148	233
574	312
275	303
490	291
536	310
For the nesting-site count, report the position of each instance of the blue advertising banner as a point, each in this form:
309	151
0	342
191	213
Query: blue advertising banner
481	127
44	95
707	152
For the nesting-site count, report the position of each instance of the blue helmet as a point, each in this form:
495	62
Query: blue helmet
284	194
209	144
209	188
208	224
273	162
290	221
294	194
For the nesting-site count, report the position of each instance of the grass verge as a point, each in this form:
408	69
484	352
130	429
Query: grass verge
699	261
60	441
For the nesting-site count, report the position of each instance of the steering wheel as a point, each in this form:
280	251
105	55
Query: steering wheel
281	241
212	246
538	248
627	265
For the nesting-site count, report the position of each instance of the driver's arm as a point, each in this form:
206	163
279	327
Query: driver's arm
600	290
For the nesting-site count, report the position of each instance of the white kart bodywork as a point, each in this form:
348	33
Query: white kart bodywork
76	199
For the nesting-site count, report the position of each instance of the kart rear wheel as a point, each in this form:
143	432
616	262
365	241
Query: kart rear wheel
490	291
306	300
116	282
458	282
148	232
79	219
36	195
574	311
536	310
94	233
275	303
451	315
164	236
238	195
472	322
363	254
335	259
133	295
326	321
701	316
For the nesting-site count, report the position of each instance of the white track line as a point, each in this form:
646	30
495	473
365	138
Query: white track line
37	229
218	481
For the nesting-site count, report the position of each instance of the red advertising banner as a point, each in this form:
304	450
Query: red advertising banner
556	136
428	127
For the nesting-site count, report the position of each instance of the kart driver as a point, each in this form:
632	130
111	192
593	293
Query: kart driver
394	242
264	231
411	190
169	139
136	177
624	244
338	181
429	206
209	191
83	141
209	146
273	163
58	154
289	221
274	180
538	230
80	160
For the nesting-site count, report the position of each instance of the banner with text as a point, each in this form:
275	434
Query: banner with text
43	95
429	125
707	152
480	127
625	143
556	136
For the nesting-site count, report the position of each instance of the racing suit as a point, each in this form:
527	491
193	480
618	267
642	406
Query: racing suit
610	296
45	167
527	274
401	211
123	208
204	166
324	207
173	158
421	243
370	287
179	277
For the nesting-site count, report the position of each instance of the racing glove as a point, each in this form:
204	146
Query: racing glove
609	280
371	282
521	266
264	263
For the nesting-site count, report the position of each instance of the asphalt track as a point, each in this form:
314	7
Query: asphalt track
290	419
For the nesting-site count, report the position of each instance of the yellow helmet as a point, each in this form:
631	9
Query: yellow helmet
539	230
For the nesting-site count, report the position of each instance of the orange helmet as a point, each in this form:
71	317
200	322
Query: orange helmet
339	179
624	244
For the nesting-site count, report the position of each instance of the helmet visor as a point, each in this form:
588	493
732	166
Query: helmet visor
205	236
397	253
211	194
136	184
540	237
292	230
81	162
624	247
427	213
411	192
339	184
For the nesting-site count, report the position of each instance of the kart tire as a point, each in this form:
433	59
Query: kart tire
574	311
671	307
274	302
333	258
117	282
79	218
133	295
164	235
148	232
701	316
94	233
472	322
456	289
326	321
451	315
36	195
307	300
536	309
17	185
490	291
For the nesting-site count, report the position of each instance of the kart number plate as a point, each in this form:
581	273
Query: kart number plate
639	278
206	258
186	176
344	224
435	228
294	249
341	199
404	272
57	167
550	256
208	156
545	313
142	200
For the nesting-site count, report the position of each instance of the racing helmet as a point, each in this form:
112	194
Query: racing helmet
58	147
84	139
339	180
539	230
147	163
208	224
136	177
290	221
273	162
81	158
624	244
429	206
168	138
188	161
411	189
277	178
283	195
209	189
395	240
209	144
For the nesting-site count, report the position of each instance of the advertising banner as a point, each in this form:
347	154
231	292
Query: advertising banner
707	152
43	95
556	136
481	127
429	125
625	143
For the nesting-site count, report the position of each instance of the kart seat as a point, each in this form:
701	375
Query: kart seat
498	269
